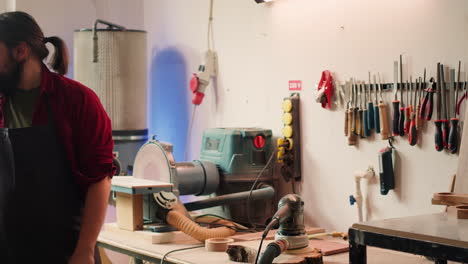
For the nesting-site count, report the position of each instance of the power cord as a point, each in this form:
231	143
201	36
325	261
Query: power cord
177	250
259	249
249	199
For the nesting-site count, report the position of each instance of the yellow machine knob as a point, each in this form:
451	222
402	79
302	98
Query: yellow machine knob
288	131
287	106
287	118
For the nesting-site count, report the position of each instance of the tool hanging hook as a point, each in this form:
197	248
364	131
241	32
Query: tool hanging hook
390	142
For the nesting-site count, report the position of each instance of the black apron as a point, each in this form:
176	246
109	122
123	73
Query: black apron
40	203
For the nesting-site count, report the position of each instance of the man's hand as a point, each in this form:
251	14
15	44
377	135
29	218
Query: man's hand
82	256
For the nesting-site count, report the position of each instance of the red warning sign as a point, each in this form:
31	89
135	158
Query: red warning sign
295	85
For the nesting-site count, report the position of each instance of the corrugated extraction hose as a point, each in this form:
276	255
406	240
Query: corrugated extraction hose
186	225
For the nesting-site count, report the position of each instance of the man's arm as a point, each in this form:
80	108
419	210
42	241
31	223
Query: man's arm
94	214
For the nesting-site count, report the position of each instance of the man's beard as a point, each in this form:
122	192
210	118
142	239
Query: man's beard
9	81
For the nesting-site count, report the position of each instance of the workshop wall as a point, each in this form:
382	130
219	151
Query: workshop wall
263	46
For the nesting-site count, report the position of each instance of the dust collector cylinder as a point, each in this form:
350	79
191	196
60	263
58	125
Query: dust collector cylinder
113	64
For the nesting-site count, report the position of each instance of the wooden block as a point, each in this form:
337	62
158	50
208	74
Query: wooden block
325	246
148	236
311	258
458	212
129	211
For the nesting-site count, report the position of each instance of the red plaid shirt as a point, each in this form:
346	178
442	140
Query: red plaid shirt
82	123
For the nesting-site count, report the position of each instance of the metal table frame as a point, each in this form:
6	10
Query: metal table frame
359	239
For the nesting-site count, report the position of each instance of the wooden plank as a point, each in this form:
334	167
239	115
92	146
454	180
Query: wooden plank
129	211
452	198
326	246
272	233
149	236
136	183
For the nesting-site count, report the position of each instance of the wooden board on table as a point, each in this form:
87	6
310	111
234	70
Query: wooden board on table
136	183
272	233
149	236
327	247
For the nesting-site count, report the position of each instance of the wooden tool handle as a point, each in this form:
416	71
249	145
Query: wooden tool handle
346	123
358	122
384	128
350	133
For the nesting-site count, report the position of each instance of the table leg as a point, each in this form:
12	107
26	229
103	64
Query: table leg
357	253
137	261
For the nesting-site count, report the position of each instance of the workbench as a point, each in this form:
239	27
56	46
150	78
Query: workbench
142	250
434	235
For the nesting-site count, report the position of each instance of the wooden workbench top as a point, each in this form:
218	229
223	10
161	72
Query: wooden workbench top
200	256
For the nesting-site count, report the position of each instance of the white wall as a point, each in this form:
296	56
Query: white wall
261	47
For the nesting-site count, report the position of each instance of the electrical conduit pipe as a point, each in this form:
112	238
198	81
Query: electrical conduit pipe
358	198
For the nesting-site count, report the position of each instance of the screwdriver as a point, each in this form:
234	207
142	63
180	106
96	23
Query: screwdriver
385	131
370	108
353	109
365	111
453	135
401	125
376	108
408	107
347	111
419	90
351	133
395	103
413	132
357	114
445	123
419	119
439	144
